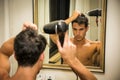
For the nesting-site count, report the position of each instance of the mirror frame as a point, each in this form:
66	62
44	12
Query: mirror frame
100	69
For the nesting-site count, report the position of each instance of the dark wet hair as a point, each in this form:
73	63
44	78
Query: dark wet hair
81	19
28	46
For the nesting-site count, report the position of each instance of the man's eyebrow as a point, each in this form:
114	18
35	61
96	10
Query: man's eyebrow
74	28
81	28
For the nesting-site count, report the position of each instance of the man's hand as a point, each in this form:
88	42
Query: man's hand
68	50
75	14
73	17
29	25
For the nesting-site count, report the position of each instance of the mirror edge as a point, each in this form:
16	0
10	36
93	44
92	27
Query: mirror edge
103	33
35	11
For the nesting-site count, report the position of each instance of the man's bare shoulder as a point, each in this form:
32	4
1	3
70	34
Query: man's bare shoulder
97	44
94	42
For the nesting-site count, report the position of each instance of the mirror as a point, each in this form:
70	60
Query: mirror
46	11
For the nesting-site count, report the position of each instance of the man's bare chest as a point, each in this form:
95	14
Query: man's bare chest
85	52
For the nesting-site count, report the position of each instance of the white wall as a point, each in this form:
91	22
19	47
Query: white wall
112	57
12	15
1	21
18	11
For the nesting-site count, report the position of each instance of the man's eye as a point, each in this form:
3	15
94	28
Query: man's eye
74	29
81	29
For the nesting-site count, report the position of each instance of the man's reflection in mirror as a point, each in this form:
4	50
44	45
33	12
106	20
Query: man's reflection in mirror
88	51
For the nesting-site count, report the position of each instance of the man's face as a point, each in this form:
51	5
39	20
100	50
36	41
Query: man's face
79	31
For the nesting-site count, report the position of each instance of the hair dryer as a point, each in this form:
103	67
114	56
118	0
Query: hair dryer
55	27
95	12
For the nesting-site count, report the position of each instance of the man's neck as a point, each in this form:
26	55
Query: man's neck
79	43
25	73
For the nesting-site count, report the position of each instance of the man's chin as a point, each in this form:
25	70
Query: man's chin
78	39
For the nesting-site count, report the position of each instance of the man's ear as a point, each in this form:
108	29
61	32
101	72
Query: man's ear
41	57
87	28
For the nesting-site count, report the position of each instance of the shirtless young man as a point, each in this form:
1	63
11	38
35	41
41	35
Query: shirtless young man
88	52
28	50
28	47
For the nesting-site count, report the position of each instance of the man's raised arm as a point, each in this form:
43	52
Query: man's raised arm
68	54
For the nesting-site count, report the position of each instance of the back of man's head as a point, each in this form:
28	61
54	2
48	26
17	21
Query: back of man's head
28	46
81	19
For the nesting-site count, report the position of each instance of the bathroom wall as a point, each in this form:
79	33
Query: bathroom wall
1	21
14	12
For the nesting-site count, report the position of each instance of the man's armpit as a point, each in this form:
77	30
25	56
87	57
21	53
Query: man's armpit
4	75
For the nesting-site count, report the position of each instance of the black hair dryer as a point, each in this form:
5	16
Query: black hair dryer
55	27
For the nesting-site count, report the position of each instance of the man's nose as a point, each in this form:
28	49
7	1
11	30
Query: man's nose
78	32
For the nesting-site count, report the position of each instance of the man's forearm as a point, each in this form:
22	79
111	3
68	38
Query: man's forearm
81	70
73	17
69	20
